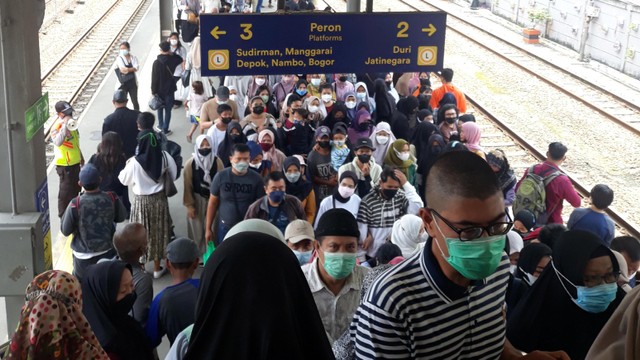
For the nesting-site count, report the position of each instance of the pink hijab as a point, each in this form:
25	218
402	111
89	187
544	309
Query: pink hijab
472	135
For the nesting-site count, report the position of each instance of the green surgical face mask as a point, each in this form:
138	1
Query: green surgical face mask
474	259
265	98
339	265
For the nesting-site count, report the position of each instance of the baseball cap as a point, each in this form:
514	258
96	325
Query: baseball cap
299	230
64	107
364	142
301	159
223	93
337	222
89	175
120	96
323	131
182	250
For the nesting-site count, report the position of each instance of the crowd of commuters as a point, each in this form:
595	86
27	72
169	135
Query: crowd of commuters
335	216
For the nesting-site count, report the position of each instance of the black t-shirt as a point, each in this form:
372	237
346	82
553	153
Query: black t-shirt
236	194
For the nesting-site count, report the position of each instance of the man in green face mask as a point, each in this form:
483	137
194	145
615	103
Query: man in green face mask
334	278
446	302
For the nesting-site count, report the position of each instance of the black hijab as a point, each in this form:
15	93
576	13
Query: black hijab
255	303
226	146
330	121
430	155
300	188
150	153
505	175
345	174
546	318
117	332
385	104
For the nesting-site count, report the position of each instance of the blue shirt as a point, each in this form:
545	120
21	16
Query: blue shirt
172	310
282	221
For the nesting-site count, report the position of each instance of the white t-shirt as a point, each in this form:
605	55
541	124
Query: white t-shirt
136	177
327	204
217	136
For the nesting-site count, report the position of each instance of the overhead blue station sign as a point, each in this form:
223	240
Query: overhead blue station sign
249	44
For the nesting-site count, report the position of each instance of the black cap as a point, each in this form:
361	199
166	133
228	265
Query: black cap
337	222
223	93
447	74
364	142
120	96
64	107
527	218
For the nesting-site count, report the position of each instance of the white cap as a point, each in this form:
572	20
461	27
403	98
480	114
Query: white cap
299	230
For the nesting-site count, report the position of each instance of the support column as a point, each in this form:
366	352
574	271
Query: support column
585	33
353	6
23	163
167	24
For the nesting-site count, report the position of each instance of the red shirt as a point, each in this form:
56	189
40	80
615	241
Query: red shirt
557	190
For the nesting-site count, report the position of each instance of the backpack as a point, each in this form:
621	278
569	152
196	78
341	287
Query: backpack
175	151
532	194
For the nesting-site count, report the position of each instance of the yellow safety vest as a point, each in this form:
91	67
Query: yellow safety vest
68	153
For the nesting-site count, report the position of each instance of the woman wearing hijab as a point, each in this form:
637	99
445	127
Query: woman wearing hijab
312	104
52	325
266	139
571	300
194	63
298	186
257	162
385	104
282	88
231	324
362	95
470	135
198	174
257	120
500	166
344	196
362	127
405	119
351	103
257	81
409	234
338	114
144	175
382	139
108	296
399	156
234	136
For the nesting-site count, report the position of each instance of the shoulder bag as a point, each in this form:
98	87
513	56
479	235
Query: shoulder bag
168	184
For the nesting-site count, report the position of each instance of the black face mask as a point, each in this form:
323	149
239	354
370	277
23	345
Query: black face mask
235	138
389	193
364	158
436	150
324	144
123	306
258	110
424	82
388	83
204	152
450	120
363	126
342	78
226	120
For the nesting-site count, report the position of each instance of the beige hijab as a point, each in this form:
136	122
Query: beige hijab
620	337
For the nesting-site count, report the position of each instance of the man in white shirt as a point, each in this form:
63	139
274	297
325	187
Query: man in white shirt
334	278
219	129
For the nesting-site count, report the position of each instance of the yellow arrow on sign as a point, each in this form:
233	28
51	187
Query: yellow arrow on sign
216	32
429	30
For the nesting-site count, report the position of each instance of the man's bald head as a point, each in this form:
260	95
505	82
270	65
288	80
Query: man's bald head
130	241
461	174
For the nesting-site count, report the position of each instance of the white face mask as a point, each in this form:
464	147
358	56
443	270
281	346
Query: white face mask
313	109
381	139
361	95
256	166
326	97
173	42
513	268
339	143
220	102
529	279
233	97
124	52
350	104
315	82
424	236
345	191
404	156
260	81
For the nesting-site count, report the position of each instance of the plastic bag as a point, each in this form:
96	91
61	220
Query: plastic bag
210	249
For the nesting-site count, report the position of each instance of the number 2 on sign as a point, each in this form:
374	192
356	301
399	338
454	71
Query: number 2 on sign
403	27
247	34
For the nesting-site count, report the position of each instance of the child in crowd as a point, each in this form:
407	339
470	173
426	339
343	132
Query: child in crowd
593	218
91	217
339	148
193	105
172	309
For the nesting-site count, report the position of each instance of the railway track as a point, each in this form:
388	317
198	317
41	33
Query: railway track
621	107
78	73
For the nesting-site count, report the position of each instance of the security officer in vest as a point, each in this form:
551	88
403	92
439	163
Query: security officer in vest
67	155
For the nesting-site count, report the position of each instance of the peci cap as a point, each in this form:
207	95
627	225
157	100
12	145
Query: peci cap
64	107
223	93
120	96
364	142
89	175
182	250
299	230
337	222
323	131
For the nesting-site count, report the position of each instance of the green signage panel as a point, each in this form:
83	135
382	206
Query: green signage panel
35	116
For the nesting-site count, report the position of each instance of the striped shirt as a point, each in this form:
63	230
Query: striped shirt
414	311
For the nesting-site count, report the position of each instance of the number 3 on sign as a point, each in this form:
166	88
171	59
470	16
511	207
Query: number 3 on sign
403	27
247	34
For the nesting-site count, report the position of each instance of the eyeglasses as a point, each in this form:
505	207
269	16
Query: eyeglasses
607	278
474	232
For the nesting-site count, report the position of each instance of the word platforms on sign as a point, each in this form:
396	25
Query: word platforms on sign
244	44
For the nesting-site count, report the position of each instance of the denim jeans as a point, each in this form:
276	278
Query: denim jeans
164	113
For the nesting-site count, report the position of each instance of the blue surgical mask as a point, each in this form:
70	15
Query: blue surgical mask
301	92
595	299
240	166
303	256
361	95
293	177
276	196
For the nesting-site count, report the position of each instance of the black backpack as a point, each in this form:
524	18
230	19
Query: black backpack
175	151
